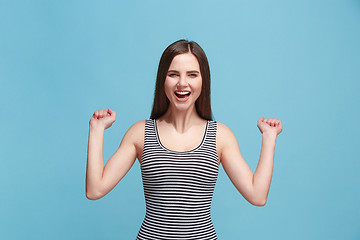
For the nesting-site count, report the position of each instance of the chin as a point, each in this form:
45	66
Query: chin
183	106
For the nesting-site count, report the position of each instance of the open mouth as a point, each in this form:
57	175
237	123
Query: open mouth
182	94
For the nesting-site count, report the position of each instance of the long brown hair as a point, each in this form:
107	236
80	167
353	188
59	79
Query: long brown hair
161	102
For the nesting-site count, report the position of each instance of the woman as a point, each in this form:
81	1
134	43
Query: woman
179	148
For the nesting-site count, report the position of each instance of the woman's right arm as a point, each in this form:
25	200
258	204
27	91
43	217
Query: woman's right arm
100	179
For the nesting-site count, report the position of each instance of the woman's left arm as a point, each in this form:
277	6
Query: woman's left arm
254	187
269	128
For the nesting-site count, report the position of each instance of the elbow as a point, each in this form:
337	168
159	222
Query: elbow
92	196
92	193
259	203
262	203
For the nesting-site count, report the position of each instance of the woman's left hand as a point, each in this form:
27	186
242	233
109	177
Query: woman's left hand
269	125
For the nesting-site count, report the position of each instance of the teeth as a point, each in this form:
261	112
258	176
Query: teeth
182	93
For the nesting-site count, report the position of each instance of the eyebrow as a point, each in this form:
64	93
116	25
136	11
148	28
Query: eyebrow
192	71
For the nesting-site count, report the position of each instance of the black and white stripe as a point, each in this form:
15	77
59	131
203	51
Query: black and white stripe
178	188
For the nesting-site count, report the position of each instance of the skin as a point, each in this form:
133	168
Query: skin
180	129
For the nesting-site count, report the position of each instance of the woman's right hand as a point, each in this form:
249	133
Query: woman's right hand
102	119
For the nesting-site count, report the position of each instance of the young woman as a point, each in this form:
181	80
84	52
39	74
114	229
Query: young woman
179	148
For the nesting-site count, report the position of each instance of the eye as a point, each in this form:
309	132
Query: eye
193	75
172	74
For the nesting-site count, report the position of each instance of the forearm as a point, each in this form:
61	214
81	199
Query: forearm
95	161
263	173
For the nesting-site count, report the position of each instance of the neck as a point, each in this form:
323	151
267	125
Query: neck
181	120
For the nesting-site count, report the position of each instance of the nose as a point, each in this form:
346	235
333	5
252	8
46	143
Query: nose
183	81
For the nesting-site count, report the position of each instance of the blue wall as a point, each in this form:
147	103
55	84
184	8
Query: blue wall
297	61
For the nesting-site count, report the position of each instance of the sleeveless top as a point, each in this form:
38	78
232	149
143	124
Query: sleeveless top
178	188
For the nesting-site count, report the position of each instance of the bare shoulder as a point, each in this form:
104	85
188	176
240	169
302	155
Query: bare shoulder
136	132
138	126
224	132
135	136
225	138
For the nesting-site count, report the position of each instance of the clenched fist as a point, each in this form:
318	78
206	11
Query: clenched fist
270	125
102	119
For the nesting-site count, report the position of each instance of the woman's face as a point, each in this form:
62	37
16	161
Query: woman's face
183	81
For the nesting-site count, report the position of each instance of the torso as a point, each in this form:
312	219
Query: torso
179	185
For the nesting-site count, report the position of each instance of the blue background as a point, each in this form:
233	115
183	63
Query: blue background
297	61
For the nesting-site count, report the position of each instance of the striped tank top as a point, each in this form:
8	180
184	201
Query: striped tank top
178	188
